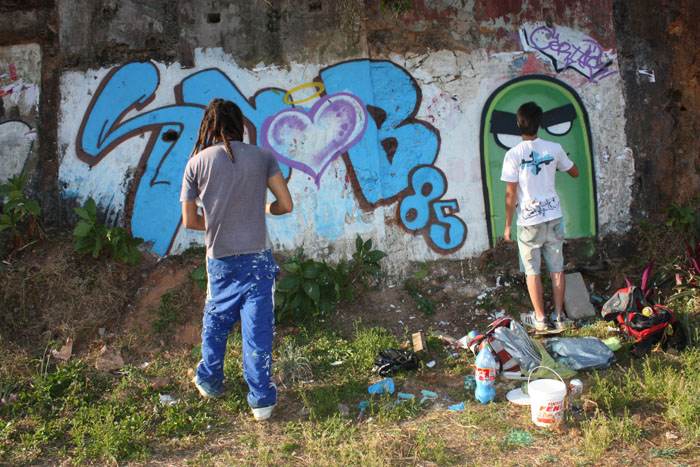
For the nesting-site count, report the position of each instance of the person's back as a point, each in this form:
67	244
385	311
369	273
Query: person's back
529	170
233	196
535	163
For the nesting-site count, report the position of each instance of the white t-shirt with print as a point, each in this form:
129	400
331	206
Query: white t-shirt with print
533	164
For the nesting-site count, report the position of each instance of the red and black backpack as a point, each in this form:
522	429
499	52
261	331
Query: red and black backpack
655	325
626	308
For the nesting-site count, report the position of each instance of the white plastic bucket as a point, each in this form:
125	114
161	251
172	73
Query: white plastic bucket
546	399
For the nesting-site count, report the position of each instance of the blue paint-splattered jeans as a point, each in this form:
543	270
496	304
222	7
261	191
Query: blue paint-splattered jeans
240	287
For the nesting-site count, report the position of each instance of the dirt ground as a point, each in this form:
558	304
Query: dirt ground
113	300
450	288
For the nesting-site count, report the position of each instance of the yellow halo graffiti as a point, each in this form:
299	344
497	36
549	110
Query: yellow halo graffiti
320	87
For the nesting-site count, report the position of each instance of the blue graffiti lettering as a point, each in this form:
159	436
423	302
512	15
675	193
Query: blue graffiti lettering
155	215
421	210
394	145
450	232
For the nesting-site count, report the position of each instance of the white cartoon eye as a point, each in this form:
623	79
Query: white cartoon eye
506	140
559	129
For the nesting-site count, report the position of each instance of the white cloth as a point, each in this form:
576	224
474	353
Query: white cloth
533	165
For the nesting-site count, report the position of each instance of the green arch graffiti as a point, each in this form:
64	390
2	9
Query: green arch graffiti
564	121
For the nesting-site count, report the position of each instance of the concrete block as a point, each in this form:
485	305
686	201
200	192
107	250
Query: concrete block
576	300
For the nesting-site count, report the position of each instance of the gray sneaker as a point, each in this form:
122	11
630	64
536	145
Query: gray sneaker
560	321
530	320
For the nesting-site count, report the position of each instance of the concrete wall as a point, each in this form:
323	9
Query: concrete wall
390	127
659	43
20	75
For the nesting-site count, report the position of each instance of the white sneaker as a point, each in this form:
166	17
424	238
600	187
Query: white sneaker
263	413
530	320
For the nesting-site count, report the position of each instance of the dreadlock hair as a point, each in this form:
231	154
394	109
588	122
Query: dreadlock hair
222	121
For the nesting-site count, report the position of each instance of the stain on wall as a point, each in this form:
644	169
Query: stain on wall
658	52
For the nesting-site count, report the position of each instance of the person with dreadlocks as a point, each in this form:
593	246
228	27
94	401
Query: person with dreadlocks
231	179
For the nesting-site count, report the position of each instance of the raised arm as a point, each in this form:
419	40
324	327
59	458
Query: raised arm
283	199
573	171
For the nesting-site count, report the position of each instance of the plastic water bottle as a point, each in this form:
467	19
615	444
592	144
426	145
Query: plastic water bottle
485	371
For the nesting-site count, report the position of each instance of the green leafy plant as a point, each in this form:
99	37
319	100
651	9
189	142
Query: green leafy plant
422	272
691	269
342	286
311	287
397	6
175	421
89	236
292	363
110	431
18	211
687	273
199	276
316	288
365	262
422	301
54	389
685	219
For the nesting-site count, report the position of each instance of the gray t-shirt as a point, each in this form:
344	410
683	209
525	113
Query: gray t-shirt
233	196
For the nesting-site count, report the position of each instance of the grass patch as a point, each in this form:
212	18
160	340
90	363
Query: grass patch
71	413
65	295
669	384
110	431
434	448
93	416
602	431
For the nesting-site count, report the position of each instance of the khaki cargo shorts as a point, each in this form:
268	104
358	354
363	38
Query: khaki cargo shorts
545	239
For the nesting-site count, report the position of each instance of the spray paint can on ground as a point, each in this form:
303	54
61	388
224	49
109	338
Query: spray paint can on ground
575	391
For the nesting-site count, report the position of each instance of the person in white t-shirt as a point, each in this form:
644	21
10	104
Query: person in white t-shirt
529	170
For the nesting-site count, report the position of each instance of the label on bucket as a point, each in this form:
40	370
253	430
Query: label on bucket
550	413
485	374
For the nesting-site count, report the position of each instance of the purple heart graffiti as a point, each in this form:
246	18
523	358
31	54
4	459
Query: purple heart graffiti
309	140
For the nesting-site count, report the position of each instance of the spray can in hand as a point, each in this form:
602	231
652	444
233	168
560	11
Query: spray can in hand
485	372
